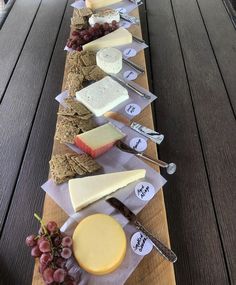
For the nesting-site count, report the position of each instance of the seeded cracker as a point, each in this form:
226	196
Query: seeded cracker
95	74
88	58
84	12
75	166
87	162
66	132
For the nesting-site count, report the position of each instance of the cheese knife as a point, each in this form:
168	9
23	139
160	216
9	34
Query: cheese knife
170	167
130	86
126	212
146	132
134	65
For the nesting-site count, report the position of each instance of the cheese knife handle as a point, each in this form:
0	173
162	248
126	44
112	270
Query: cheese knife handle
160	247
148	133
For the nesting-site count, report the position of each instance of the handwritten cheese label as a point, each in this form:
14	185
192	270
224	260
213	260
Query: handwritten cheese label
144	191
130	75
139	144
121	10
129	52
132	109
140	244
124	24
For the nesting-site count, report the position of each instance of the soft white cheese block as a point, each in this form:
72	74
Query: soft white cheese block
95	4
84	191
109	60
102	96
104	16
117	38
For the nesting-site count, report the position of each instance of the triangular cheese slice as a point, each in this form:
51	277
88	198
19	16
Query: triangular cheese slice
95	4
119	37
84	191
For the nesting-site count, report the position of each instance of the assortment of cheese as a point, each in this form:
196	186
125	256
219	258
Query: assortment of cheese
99	242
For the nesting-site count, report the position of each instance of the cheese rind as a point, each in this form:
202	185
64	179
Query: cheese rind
102	96
99	244
117	38
84	191
104	16
99	140
109	60
95	4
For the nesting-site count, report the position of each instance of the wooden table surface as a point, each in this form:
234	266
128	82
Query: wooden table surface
153	269
191	63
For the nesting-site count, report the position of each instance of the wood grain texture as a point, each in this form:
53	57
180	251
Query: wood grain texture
13	36
215	119
153	269
28	196
23	94
222	36
193	226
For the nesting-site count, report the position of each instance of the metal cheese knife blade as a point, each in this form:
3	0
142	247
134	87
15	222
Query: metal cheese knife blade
130	86
126	212
146	132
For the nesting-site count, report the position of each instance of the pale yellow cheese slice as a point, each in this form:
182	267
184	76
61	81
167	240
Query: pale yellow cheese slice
95	4
99	244
117	38
84	191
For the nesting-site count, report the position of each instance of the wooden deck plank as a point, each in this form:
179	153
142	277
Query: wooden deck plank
23	94
215	119
223	39
12	37
192	224
28	196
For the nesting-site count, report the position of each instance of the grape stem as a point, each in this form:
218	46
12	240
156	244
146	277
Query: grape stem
41	222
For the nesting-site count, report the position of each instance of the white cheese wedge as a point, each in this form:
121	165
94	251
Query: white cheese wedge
109	60
95	4
117	38
84	191
102	96
104	16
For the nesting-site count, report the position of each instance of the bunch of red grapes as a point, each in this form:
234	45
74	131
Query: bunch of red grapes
84	36
53	249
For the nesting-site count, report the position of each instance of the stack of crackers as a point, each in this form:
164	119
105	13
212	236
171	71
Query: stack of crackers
73	120
79	19
66	166
81	67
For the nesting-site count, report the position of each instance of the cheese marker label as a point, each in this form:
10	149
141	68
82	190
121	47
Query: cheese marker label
144	191
139	144
141	244
132	109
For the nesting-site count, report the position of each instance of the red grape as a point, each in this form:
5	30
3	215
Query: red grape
59	275
75	33
42	267
41	239
96	26
106	26
35	251
106	33
66	241
60	262
114	23
91	31
45	258
48	275
66	253
52	227
30	240
56	241
44	246
86	38
79	48
83	33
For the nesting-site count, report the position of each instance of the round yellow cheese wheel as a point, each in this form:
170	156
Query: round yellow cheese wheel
99	244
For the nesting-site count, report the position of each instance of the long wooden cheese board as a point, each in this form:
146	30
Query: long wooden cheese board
153	269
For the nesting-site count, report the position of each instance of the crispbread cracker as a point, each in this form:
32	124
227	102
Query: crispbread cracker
87	162
84	12
75	166
66	132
